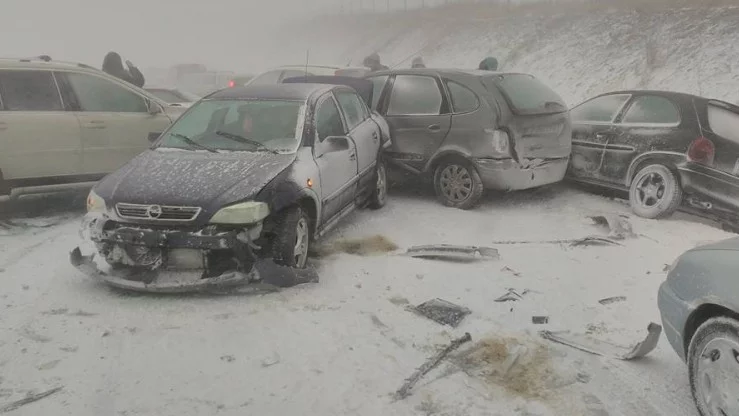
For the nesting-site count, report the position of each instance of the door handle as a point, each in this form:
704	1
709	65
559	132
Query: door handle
374	135
602	136
95	124
434	128
353	156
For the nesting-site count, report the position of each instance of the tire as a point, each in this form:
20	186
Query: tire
655	192
378	198
457	184
292	225
715	347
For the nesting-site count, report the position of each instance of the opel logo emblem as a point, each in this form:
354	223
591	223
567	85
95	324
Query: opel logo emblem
154	211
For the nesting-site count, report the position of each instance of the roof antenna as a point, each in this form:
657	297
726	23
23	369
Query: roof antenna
307	54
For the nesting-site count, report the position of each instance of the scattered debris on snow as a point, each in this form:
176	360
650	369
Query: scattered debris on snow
512	296
540	320
405	390
618	226
271	360
508	269
368	246
228	358
602	348
28	400
453	252
614	299
442	311
594	241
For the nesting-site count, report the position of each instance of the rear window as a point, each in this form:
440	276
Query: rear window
723	122
526	94
29	91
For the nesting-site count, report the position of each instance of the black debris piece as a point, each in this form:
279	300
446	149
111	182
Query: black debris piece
442	311
614	299
540	320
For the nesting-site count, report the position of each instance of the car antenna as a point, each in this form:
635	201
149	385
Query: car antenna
307	55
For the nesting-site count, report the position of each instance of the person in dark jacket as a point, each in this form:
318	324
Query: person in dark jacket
489	64
113	65
373	62
418	62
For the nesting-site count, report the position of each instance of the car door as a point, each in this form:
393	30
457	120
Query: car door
363	132
648	123
418	114
337	166
592	131
39	140
114	118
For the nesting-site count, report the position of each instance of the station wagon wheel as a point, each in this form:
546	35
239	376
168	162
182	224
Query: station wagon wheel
655	192
457	184
292	238
713	365
379	195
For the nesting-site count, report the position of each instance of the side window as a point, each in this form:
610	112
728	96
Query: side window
267	78
328	121
599	110
100	95
414	95
292	73
378	83
29	91
723	122
652	110
463	99
353	108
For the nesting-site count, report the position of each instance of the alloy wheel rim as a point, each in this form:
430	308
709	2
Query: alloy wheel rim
456	183
717	377
650	190
301	242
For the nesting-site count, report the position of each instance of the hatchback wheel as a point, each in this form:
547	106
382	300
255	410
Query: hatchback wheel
655	192
292	238
713	365
457	184
379	194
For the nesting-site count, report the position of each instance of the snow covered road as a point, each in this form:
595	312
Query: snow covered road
342	346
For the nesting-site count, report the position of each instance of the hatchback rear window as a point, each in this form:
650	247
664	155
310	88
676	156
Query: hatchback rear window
526	94
723	122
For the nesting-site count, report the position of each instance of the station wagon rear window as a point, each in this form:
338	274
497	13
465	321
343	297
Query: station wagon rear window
723	122
238	125
526	94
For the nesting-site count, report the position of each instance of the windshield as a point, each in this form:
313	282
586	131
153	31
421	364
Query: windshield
173	96
238	125
526	94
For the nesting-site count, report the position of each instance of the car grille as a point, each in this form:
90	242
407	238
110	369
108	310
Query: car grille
156	212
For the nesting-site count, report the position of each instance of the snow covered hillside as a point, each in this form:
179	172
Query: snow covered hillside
580	53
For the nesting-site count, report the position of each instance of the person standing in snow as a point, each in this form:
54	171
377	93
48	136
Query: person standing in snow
373	62
113	65
489	64
418	62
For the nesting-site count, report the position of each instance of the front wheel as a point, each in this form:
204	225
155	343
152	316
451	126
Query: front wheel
292	238
713	367
655	192
378	198
457	184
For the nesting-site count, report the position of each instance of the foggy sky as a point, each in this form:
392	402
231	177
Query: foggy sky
225	34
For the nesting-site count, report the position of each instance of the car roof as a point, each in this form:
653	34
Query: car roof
301	92
447	71
35	63
653	92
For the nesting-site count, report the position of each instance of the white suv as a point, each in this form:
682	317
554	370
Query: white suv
67	124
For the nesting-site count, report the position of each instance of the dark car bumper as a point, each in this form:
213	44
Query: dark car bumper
509	175
674	312
709	183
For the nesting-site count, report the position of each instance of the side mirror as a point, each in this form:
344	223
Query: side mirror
336	143
154	108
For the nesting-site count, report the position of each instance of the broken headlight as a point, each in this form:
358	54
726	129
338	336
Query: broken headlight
95	203
242	213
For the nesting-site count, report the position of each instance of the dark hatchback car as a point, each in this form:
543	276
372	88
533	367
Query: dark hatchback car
246	174
663	147
472	130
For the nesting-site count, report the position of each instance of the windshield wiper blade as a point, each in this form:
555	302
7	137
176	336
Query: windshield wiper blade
245	140
192	142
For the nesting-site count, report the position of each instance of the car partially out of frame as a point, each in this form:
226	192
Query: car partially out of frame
246	174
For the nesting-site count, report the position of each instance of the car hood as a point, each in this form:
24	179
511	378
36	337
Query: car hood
174	177
731	244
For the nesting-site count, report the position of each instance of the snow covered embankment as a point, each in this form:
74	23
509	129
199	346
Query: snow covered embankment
579	54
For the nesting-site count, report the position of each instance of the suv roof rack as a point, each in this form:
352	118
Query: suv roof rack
47	58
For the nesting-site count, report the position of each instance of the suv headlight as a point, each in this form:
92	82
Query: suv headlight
243	213
95	203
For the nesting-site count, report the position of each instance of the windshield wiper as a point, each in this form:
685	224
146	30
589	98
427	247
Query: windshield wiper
192	142
245	140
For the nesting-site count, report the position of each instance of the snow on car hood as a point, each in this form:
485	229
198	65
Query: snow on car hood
192	178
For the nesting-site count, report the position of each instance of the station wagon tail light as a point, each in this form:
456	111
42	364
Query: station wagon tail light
501	141
231	84
702	151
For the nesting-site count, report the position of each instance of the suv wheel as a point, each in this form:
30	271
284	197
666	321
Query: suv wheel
713	367
292	238
655	192
457	184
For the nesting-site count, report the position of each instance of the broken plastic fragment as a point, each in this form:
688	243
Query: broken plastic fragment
441	311
453	252
597	347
